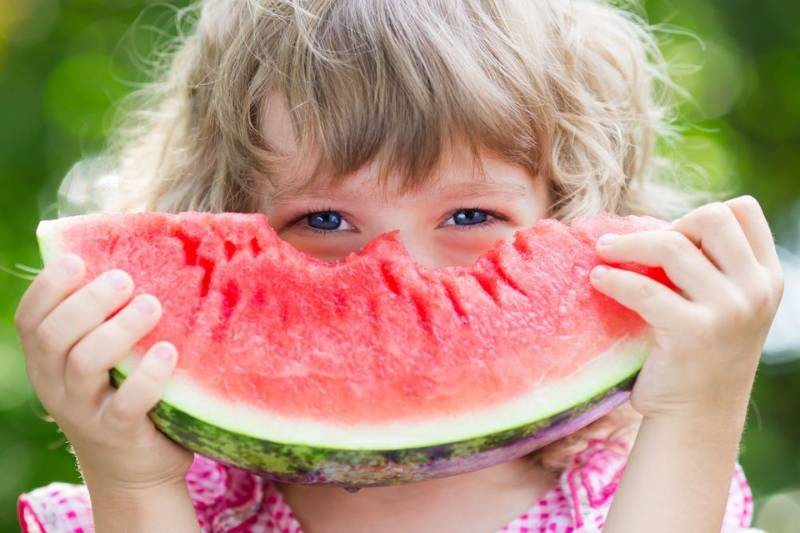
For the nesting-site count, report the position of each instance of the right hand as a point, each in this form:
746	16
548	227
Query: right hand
70	345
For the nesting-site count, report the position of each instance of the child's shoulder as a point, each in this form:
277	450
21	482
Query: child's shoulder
227	498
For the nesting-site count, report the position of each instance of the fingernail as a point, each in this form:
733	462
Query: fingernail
599	271
145	305
70	265
607	239
165	352
118	280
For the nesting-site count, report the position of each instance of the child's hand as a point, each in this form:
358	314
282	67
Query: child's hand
69	349
708	339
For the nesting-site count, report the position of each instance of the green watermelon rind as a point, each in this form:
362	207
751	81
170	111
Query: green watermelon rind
303	462
297	463
540	402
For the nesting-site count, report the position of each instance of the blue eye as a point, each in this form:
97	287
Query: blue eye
469	217
327	221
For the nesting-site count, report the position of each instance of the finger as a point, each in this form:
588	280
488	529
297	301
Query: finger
81	312
54	283
683	262
656	303
717	232
142	389
754	224
88	363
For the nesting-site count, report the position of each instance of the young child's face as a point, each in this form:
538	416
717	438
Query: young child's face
450	220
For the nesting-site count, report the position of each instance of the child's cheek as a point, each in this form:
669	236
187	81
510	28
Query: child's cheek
327	247
461	247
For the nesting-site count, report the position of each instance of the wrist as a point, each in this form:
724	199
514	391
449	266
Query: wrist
717	409
126	492
711	426
100	480
162	507
129	478
134	501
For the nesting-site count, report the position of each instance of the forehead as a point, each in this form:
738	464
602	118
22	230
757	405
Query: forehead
459	172
276	125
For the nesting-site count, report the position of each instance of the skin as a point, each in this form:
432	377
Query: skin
692	391
695	386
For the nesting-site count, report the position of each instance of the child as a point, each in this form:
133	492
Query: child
456	123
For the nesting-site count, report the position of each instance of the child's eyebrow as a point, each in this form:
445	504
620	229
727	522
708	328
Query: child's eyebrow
480	190
457	191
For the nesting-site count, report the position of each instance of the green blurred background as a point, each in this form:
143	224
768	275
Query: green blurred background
64	64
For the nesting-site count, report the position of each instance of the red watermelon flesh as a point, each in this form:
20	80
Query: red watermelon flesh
373	338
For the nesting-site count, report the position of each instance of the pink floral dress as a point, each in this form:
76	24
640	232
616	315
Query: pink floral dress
228	499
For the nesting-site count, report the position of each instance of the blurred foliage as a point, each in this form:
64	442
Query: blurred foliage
64	64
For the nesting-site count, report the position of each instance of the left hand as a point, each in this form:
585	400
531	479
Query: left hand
708	336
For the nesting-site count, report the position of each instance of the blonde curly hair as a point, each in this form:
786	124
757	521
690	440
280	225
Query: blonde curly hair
576	91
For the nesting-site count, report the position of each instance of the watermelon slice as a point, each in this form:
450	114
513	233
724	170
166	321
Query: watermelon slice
372	369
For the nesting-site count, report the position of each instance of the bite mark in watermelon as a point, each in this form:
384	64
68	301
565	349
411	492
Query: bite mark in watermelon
372	369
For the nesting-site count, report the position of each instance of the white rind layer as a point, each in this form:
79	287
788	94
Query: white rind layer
609	368
47	236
